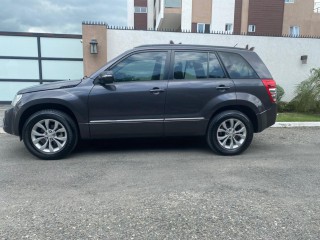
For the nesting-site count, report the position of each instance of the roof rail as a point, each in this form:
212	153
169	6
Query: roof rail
185	46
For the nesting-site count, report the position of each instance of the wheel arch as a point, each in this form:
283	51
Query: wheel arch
244	109
38	107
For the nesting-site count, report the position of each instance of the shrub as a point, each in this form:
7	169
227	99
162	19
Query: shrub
308	93
281	106
286	107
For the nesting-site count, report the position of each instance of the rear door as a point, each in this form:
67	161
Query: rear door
198	83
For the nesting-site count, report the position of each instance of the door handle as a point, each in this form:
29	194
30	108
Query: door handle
156	90
222	88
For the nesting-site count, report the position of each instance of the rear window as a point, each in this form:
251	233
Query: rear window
237	66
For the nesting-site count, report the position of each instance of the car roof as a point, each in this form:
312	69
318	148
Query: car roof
187	46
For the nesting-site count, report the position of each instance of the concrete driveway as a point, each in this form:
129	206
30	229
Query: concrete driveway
164	189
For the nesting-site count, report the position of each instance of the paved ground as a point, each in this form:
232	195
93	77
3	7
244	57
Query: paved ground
164	189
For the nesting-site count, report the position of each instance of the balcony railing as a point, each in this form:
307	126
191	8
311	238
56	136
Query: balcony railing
172	3
317	6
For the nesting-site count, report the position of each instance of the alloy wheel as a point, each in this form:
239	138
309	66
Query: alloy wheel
231	134
49	136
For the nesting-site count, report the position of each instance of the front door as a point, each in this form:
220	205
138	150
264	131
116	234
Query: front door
133	105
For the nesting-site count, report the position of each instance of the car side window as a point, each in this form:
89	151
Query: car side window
215	69
146	66
190	65
236	66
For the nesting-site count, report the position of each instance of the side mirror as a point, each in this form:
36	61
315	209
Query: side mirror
106	77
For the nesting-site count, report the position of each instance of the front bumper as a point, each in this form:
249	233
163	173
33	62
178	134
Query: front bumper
8	121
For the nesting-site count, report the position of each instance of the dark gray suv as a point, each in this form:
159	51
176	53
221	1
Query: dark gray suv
225	94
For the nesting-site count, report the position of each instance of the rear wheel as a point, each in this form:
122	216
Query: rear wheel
230	133
50	134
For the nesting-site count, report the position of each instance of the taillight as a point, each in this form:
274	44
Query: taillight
271	87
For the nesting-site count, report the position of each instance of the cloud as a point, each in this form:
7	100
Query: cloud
59	16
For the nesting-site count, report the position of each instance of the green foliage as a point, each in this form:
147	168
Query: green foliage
308	94
286	107
280	93
298	117
282	106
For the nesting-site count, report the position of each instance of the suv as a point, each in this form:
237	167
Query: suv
225	94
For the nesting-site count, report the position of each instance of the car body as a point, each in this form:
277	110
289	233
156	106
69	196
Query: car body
152	91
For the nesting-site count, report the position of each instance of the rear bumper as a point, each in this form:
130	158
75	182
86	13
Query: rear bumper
267	118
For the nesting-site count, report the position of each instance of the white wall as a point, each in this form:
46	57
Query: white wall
222	13
186	15
281	55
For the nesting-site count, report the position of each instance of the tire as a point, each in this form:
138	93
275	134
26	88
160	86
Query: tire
230	133
50	134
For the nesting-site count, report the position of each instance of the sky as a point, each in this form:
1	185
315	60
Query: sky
59	16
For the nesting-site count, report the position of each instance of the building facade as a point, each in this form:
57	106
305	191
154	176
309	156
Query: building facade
259	17
253	17
302	17
181	15
277	17
140	14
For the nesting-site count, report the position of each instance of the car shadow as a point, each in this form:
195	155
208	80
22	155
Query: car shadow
142	144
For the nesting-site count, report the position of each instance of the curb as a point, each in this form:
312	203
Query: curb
295	124
276	125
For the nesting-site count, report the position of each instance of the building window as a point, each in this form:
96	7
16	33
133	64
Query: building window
140	10
200	27
252	28
172	3
203	28
228	27
289	1
295	31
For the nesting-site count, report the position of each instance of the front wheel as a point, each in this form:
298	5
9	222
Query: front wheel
230	133
50	134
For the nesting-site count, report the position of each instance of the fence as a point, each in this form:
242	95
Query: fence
27	59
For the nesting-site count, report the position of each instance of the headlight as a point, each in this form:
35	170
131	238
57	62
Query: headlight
16	99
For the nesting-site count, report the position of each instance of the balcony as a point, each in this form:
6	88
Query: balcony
317	6
168	14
